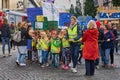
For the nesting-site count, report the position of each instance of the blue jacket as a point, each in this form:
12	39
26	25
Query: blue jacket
108	35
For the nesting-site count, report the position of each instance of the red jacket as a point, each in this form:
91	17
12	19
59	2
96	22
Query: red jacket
90	50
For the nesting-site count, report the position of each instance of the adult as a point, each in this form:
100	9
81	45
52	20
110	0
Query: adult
100	42
107	44
116	39
90	50
5	36
29	42
110	27
12	30
74	34
22	45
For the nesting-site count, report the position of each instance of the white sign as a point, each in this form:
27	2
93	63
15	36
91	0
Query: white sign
50	11
38	25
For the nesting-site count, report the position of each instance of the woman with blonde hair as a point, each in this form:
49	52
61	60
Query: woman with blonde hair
90	50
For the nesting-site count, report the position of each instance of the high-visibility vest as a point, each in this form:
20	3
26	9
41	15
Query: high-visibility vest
38	45
73	33
44	44
65	43
54	49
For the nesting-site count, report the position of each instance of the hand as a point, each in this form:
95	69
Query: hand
108	40
71	40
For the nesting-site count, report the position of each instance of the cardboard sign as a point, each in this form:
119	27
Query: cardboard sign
40	18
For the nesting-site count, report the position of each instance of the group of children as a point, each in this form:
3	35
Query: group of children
51	48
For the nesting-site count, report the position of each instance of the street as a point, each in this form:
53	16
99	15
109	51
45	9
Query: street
10	71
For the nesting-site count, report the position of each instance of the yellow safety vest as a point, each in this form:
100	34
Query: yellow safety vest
65	43
44	44
54	49
73	33
38	45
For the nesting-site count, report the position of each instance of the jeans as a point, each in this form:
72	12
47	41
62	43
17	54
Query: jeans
44	56
40	56
29	55
55	59
66	55
112	55
74	48
21	58
4	41
116	46
102	53
107	55
90	67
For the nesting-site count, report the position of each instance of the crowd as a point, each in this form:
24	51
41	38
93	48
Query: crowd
65	47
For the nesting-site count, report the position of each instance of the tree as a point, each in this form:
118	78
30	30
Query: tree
116	2
89	8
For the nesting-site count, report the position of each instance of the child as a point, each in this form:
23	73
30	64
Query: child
34	50
44	47
38	46
55	48
65	50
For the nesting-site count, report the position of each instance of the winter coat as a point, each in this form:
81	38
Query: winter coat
23	42
5	31
106	44
90	39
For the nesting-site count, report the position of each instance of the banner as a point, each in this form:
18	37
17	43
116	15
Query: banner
50	11
33	12
64	19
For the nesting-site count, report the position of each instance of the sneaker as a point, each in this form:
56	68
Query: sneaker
71	64
112	65
4	55
63	66
43	66
97	67
22	64
17	62
66	67
79	62
9	55
47	64
74	70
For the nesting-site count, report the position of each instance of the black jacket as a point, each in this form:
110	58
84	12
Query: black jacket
5	31
23	42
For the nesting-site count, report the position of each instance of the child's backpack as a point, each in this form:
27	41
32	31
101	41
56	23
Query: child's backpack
17	36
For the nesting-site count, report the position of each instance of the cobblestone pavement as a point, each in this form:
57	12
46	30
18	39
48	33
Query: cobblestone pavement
10	71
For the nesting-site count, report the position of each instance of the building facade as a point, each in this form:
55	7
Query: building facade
8	4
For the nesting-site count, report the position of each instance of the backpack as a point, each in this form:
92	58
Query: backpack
17	36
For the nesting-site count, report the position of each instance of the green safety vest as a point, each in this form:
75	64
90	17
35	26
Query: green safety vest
73	33
65	43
